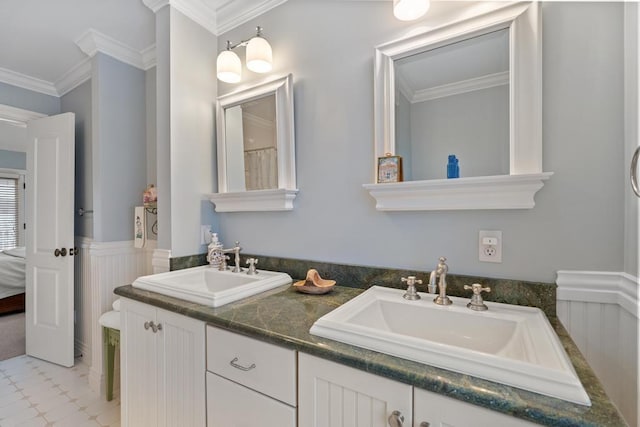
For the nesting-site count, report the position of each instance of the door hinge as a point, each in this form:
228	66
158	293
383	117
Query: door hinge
24	226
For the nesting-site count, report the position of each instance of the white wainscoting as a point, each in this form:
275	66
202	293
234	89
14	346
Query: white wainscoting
600	312
100	268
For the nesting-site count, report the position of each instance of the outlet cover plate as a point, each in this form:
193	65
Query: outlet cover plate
490	253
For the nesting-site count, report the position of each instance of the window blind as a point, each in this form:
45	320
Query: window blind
8	213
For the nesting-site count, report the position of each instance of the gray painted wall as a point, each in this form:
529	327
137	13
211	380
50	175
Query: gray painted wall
29	100
13	160
118	146
78	101
578	219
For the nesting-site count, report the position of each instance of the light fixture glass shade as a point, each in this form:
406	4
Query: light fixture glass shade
229	67
259	56
408	10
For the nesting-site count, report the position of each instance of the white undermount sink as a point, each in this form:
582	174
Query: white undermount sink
208	286
508	344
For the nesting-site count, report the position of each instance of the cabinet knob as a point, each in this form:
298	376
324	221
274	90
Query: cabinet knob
155	328
424	424
396	419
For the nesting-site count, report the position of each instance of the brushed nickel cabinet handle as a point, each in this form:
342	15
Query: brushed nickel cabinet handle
242	368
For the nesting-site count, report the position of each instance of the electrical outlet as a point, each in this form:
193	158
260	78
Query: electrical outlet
205	234
490	245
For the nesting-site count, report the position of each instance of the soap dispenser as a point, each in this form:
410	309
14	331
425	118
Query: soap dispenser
214	246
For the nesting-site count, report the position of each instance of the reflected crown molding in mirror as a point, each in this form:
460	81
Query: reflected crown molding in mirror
273	187
522	20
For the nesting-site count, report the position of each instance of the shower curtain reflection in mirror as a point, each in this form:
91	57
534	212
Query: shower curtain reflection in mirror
252	145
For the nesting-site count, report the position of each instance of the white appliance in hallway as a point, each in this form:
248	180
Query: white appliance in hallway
50	238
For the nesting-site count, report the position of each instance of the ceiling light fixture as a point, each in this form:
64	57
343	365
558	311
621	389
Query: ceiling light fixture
259	58
408	10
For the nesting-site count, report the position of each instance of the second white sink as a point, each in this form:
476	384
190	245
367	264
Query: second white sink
208	286
508	344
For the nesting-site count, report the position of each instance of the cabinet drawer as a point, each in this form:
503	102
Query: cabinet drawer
230	404
261	366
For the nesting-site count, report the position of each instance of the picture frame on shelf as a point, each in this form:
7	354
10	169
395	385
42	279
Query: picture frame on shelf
389	169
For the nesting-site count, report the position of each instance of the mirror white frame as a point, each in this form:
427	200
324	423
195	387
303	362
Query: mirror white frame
513	191
260	200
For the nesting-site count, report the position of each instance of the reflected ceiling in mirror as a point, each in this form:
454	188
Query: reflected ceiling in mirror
454	99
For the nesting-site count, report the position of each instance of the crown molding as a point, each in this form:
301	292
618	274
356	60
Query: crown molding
155	5
92	42
73	78
17	116
217	20
197	10
149	59
235	13
463	86
27	82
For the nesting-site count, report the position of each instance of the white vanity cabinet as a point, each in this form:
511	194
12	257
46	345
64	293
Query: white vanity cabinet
162	367
434	410
249	382
333	395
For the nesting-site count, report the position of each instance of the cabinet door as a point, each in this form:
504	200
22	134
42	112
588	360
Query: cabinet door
231	404
139	365
181	354
334	395
440	411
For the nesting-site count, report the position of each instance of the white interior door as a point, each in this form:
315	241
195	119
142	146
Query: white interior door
50	238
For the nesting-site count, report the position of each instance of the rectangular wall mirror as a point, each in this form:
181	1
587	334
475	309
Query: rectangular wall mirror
256	148
470	88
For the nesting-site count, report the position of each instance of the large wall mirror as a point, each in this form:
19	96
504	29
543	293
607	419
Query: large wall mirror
471	88
256	148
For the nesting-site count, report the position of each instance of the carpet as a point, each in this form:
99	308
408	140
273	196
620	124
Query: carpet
12	341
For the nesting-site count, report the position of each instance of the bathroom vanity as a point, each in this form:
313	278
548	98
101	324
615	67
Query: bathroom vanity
261	365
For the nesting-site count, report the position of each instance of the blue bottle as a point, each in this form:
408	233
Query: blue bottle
453	170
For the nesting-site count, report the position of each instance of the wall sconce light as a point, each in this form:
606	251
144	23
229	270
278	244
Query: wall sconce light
408	10
259	58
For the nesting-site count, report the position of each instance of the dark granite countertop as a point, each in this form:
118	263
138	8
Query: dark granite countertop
283	317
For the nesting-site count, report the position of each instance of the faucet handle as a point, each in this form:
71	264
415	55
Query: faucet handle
476	303
477	288
411	280
411	293
252	265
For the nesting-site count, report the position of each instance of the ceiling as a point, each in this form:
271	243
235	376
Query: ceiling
40	39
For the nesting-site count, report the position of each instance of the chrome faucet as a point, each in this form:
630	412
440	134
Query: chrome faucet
236	251
440	274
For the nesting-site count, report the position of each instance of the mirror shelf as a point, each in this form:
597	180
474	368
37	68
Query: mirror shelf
268	145
516	188
483	192
251	201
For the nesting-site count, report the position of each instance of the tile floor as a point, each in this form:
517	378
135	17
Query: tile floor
38	393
